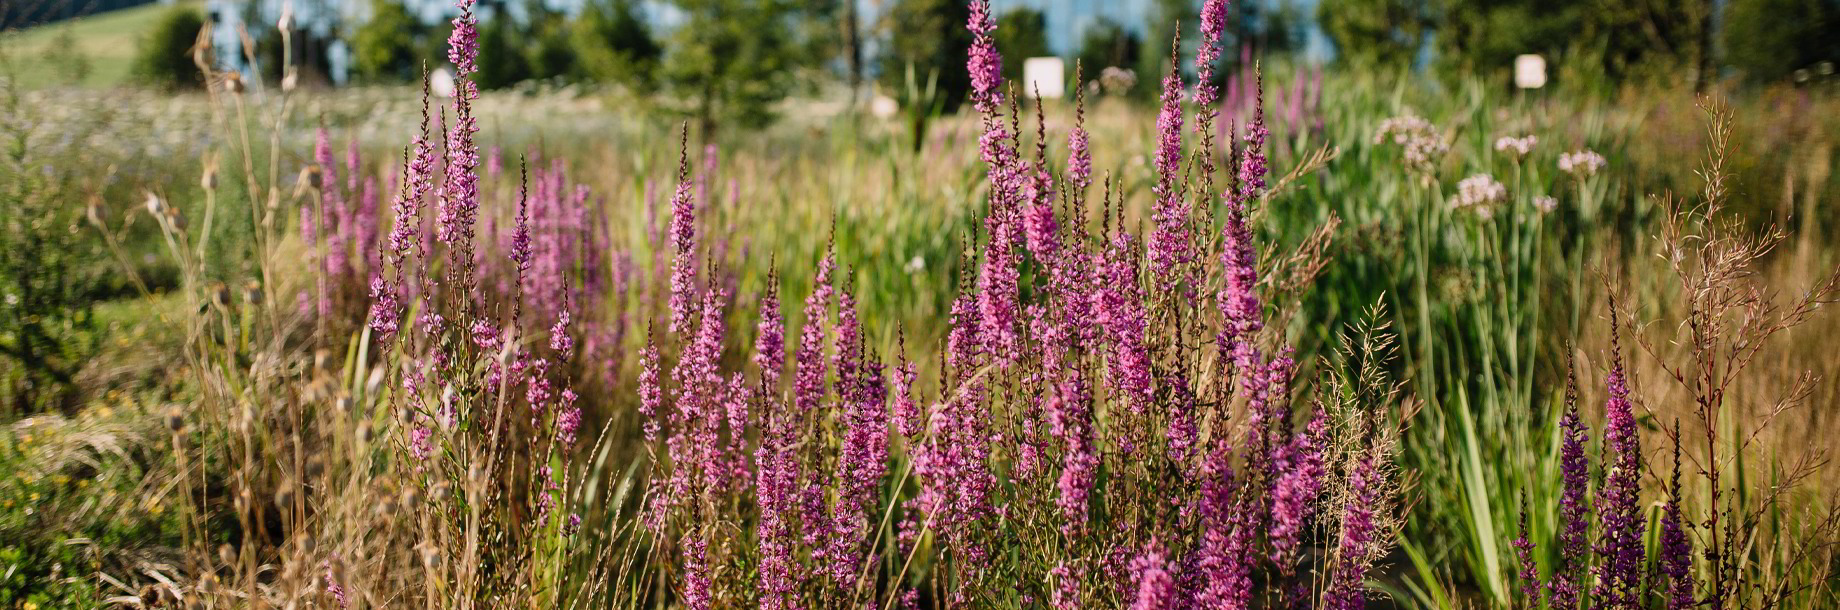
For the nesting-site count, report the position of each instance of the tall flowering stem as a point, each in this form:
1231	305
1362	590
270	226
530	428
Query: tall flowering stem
1620	522
683	239
1169	240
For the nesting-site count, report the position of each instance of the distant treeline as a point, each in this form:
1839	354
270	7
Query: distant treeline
22	13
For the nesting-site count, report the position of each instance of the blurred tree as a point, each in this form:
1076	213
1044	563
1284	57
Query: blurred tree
1107	43
1375	32
1167	17
1768	40
731	59
614	44
1620	40
1021	33
551	55
164	59
385	47
829	36
501	57
930	37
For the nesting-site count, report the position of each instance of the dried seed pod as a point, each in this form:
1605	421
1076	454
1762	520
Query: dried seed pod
252	292
233	83
155	205
284	496
97	212
175	421
431	557
220	294
226	555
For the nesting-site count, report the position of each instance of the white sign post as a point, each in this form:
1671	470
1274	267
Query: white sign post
1046	75
1529	71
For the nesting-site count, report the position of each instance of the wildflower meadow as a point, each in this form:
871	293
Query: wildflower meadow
1274	333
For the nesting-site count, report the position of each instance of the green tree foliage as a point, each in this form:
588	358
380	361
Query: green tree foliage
613	44
1768	40
164	59
501	57
1375	32
386	46
1021	33
1613	40
1167	17
1106	43
551	55
731	59
930	37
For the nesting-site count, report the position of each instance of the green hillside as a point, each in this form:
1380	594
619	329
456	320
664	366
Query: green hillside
94	51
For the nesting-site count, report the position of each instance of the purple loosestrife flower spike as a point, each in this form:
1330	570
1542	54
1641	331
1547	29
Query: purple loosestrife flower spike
1079	155
1153	579
1121	313
387	295
1574	507
1676	554
463	43
1620	522
459	196
1223	557
1295	493
1530	571
776	477
770	337
683	239
651	390
1207	94
1356	543
983	62
1169	240
1252	166
1072	422
863	454
907	415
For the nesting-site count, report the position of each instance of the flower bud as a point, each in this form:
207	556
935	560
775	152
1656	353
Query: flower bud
155	205
252	292
97	213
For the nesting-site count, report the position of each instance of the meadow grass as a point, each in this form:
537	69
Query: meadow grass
285	425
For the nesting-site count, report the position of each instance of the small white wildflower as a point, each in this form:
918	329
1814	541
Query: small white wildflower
1545	204
1582	163
1478	193
1402	129
1424	151
1518	147
916	264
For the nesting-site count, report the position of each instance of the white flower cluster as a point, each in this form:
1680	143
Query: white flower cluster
1423	145
1583	163
1545	204
1479	193
1519	147
1401	129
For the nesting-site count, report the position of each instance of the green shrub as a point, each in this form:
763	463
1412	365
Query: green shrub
165	58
